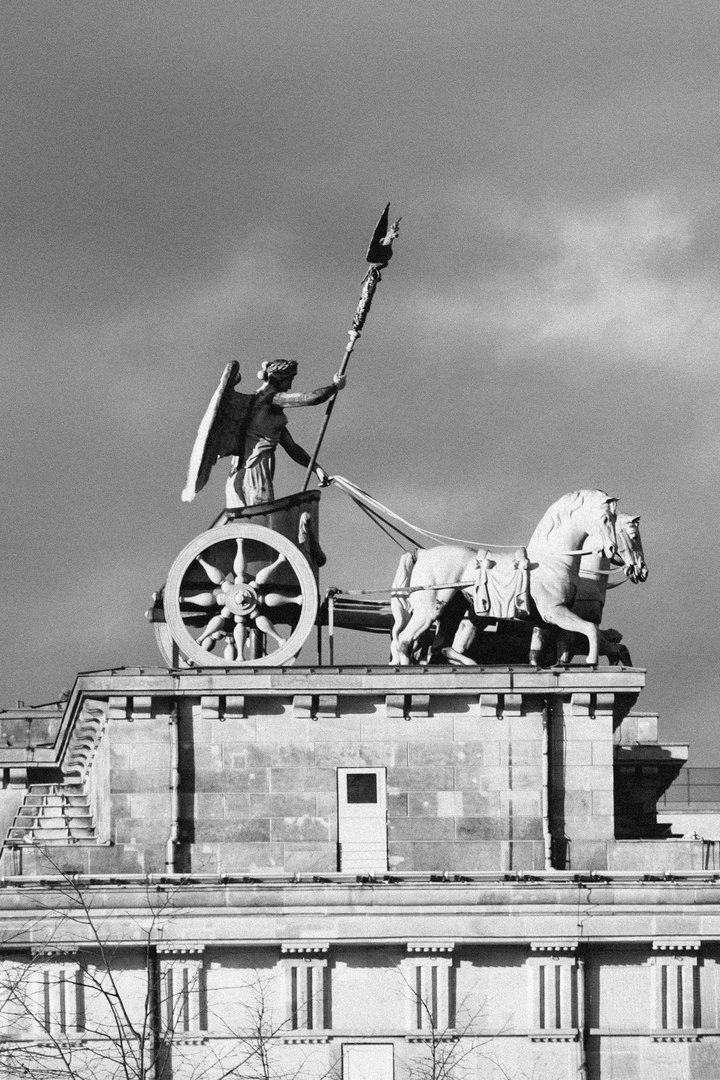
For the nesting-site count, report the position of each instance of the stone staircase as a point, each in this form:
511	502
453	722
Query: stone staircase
53	814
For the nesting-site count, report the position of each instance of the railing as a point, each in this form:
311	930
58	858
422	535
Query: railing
693	786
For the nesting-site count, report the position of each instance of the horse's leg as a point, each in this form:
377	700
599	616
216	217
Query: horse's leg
536	645
400	605
401	615
565	648
464	637
568	620
427	606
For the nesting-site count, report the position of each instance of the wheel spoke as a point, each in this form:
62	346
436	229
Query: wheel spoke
215	575
209	642
202	599
267	572
239	561
240	634
256	644
263	623
229	652
278	599
215	625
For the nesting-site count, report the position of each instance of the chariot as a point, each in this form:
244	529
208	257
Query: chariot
246	591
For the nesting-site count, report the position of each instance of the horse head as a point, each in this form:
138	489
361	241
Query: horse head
630	547
601	521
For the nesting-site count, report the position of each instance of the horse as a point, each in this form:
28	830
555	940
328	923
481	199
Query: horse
589	602
433	576
594	582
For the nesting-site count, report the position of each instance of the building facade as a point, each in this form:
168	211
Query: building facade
353	872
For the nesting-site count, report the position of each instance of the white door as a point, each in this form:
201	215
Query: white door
362	820
367	1061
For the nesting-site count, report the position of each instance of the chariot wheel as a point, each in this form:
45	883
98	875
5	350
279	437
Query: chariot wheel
239	595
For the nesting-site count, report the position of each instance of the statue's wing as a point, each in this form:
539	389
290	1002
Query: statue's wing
219	432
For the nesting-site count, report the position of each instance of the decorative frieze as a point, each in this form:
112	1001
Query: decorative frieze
142	707
222	707
592	705
553	989
407	705
307	989
430	946
302	706
183	995
676	987
86	737
117	707
210	707
489	705
511	704
181	948
309	948
429	978
235	707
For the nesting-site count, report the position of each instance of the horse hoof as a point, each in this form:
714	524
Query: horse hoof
455	657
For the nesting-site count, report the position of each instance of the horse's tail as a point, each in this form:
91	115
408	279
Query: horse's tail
400	605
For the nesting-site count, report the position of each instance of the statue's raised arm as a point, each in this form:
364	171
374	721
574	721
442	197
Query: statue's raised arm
248	428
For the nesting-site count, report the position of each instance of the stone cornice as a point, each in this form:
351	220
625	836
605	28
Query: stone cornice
316	685
540	917
318	691
361	679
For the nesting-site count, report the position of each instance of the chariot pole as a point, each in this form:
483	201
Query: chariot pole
378	255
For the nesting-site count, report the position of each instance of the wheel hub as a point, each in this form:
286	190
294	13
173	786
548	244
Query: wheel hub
242	599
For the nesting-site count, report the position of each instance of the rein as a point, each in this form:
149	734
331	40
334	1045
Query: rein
378	510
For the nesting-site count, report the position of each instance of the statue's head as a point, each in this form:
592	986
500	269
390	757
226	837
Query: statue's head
278	371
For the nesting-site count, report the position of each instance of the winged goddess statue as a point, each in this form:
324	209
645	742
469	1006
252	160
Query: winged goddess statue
248	428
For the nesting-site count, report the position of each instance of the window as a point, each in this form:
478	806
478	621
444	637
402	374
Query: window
361	787
362	820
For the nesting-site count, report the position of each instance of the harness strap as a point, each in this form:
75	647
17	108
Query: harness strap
360	496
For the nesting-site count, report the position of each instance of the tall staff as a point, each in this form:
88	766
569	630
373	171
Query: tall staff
378	255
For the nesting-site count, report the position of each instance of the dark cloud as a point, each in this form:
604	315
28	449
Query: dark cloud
183	183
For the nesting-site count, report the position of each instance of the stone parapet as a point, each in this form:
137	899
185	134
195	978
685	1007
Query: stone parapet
495	769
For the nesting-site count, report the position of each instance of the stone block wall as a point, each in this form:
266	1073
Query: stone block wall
238	772
136	758
259	791
582	781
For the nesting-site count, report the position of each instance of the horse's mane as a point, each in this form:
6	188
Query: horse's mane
564	508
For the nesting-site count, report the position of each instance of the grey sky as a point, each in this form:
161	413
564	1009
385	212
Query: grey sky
188	182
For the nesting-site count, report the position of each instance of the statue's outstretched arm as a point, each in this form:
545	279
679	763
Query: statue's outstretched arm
290	400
